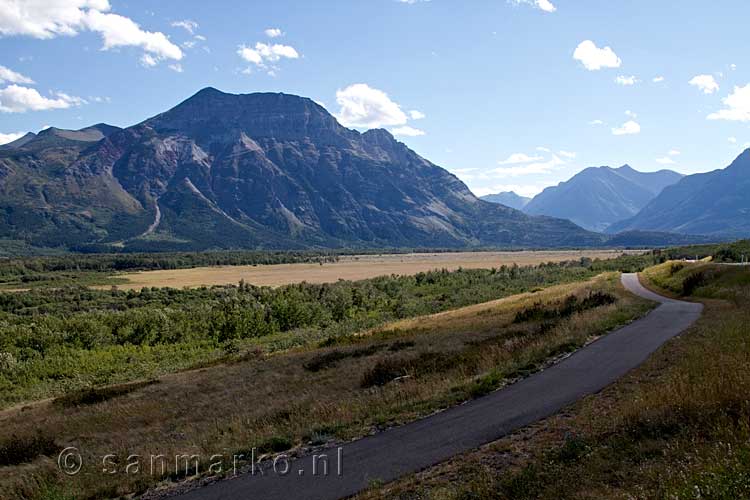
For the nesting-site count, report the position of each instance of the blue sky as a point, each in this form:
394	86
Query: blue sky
508	94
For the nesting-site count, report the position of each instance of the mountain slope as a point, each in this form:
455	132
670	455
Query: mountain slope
508	198
715	203
255	171
595	198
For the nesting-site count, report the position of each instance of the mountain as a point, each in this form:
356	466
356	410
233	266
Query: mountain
715	203
248	171
597	197
507	198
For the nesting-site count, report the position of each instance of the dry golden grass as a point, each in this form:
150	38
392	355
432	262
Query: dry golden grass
349	267
229	408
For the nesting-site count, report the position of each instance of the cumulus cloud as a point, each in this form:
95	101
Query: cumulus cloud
666	160
187	25
658	79
47	19
10	76
593	58
366	107
407	131
262	53
416	115
674	152
18	99
273	32
630	127
6	138
596	122
545	5
705	83
732	140
626	81
736	106
517	158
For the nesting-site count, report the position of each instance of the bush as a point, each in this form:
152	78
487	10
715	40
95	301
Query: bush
23	449
693	282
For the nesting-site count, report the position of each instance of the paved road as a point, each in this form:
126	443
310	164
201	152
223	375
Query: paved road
413	447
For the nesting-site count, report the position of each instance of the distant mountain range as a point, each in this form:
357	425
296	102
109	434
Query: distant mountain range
508	198
597	197
247	171
715	203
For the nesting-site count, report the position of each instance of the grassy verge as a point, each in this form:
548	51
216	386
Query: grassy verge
676	428
348	386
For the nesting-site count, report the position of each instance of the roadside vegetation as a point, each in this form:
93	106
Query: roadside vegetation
55	340
328	363
676	428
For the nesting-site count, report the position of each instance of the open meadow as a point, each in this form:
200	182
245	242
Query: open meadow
351	267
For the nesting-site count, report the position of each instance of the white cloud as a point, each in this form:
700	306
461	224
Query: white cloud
732	140
626	80
706	83
187	25
6	138
543	149
411	2
407	131
366	107
263	53
733	67
273	32
567	154
47	19
593	58
148	61
18	99
10	76
737	106
596	122
416	115
674	152
544	5
200	37
630	127
517	158
119	31
630	114
658	79
530	168
666	160
176	67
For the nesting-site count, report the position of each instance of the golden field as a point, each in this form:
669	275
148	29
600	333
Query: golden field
350	267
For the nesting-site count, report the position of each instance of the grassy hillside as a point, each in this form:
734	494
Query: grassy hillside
676	428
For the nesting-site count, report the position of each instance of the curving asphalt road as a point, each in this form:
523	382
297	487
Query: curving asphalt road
415	446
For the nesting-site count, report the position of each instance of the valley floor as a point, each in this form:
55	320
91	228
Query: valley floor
313	395
351	267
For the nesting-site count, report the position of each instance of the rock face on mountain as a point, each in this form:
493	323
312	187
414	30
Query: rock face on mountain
595	198
508	198
251	171
715	203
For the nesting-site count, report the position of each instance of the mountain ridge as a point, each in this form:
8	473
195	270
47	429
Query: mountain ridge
597	197
713	203
260	170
